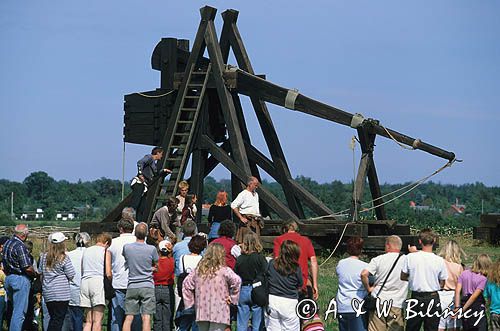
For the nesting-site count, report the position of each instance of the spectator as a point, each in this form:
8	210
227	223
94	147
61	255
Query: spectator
249	265
164	218
452	255
120	275
226	234
57	271
3	302
92	297
181	197
30	323
130	214
74	317
185	318
285	281
492	292
181	248
394	288
469	293
211	288
307	254
426	274
218	212
18	269
140	260
247	209
188	211
164	290
351	287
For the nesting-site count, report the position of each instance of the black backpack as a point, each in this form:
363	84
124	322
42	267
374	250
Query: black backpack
260	289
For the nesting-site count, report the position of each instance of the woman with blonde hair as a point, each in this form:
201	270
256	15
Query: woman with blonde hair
92	297
211	288
452	255
57	271
250	264
469	293
218	212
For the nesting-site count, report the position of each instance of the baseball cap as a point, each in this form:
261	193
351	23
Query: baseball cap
57	237
165	246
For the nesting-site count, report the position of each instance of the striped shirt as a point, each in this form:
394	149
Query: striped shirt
16	257
55	281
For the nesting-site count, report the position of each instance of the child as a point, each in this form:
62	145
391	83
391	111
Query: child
164	292
469	293
492	292
189	211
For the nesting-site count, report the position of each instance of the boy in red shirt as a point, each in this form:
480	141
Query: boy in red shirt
164	288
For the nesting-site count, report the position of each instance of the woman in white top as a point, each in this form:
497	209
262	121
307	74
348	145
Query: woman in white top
92	296
452	255
351	287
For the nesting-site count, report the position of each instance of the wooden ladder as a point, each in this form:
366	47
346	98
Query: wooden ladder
179	145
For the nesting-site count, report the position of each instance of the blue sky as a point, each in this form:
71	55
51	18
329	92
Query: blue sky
427	69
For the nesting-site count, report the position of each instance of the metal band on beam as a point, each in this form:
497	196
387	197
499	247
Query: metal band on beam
291	96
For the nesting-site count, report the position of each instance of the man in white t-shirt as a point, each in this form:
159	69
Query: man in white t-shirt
426	274
394	288
246	208
120	275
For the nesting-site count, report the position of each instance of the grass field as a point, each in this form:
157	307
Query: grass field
328	280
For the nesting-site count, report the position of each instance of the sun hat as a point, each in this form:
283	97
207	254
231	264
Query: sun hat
165	246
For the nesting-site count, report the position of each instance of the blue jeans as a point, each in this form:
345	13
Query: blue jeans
186	320
18	290
245	308
74	319
214	229
118	313
349	322
3	306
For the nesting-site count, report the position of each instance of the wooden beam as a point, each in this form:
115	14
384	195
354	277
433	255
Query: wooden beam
273	202
252	85
311	201
230	116
277	155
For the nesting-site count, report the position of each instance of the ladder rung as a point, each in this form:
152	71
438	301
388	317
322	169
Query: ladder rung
178	146
174	159
199	72
185	122
189	109
192	97
195	85
184	134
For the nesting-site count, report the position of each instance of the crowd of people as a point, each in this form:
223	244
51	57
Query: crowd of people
167	275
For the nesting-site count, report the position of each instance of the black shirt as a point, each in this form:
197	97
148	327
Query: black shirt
248	266
219	213
284	286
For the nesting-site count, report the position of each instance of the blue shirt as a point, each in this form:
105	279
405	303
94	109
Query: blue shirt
139	260
16	257
350	285
55	281
492	291
180	249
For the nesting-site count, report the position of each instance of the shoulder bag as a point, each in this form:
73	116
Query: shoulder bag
109	291
370	301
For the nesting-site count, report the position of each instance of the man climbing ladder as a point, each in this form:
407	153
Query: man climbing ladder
146	172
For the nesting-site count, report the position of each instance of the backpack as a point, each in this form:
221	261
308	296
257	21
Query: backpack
260	290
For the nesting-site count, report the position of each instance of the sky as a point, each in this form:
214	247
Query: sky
428	69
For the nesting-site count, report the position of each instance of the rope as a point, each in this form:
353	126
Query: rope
397	142
338	243
154	96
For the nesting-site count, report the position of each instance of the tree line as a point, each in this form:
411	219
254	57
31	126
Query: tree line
94	199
